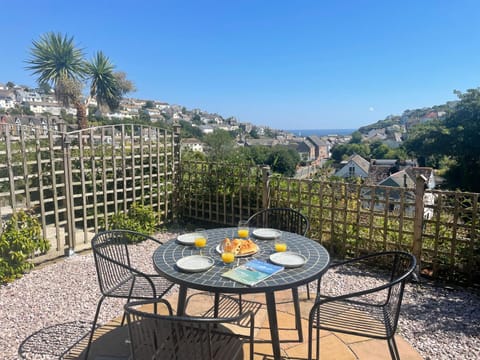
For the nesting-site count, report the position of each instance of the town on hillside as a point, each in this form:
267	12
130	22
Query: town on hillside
22	106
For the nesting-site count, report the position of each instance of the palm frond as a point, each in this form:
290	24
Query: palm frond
104	85
54	57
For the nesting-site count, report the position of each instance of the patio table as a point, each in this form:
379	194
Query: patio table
317	260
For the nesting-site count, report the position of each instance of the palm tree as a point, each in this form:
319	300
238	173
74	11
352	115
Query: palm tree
58	62
104	86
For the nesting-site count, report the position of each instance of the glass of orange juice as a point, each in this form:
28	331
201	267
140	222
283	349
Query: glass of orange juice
228	256
242	229
200	239
280	244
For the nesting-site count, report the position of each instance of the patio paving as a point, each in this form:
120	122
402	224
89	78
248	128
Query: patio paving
111	343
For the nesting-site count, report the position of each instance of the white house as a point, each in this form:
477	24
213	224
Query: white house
191	144
356	166
6	102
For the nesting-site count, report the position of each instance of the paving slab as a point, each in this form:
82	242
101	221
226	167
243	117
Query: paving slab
111	343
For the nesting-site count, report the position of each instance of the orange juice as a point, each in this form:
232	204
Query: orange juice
243	233
200	242
228	257
279	247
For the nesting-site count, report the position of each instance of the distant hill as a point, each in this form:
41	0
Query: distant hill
410	118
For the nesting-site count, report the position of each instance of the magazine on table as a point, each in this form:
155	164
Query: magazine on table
252	272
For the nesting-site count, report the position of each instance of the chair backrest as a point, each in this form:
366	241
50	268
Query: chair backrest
165	336
396	268
285	219
112	260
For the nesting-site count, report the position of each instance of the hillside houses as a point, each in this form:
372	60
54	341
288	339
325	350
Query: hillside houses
385	172
7	99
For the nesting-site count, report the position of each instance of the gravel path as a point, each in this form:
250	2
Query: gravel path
54	304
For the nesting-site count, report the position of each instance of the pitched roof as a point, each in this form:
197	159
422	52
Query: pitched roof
316	140
361	162
406	177
399	179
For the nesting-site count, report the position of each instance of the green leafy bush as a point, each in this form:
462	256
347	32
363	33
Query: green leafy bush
20	239
139	218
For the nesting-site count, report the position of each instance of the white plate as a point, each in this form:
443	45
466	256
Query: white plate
288	259
267	234
219	250
187	239
195	263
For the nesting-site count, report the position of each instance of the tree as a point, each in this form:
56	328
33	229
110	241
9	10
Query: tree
356	137
58	62
187	130
125	85
283	160
10	85
456	137
220	143
342	151
104	86
258	154
149	104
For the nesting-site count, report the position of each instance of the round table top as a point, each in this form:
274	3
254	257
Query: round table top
166	256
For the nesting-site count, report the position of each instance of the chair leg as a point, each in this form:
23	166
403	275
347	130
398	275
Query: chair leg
392	346
130	296
240	303
216	304
94	326
310	338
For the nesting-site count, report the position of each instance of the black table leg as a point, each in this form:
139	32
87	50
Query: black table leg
298	319
182	298
272	320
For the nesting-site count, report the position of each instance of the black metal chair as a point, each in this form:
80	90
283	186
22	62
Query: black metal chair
161	335
373	308
285	219
116	276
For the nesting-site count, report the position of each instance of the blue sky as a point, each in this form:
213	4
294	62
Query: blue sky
285	64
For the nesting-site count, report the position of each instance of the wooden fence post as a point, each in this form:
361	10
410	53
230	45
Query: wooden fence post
266	187
418	220
176	174
70	214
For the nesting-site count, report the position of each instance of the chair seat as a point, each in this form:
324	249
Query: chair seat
162	335
355	318
139	287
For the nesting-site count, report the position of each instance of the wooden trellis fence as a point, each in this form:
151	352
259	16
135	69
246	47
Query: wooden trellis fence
75	181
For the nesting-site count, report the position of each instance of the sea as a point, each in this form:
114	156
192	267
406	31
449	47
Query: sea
320	132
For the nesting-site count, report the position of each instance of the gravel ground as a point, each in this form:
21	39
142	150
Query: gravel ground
52	306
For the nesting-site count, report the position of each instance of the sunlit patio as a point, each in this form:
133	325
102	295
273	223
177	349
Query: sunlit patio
112	340
50	312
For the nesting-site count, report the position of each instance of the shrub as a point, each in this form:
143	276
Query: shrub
20	239
139	218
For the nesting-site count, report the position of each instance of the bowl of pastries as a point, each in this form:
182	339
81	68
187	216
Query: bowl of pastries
239	247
